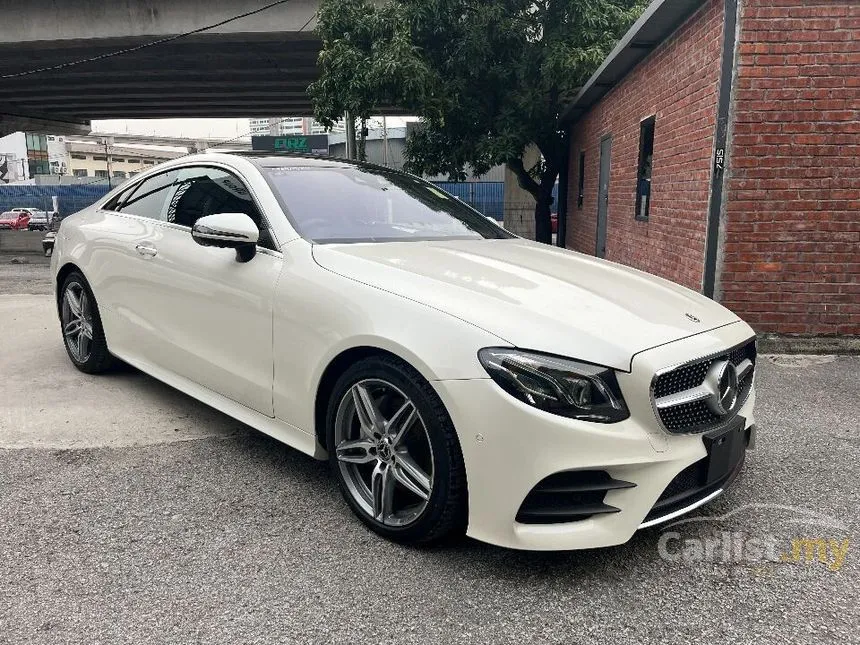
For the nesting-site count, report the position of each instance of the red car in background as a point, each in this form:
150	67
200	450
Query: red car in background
17	220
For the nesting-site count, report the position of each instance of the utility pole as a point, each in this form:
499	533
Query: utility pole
384	143
108	141
362	140
350	135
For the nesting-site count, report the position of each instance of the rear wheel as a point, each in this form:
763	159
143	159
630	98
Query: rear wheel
83	335
395	453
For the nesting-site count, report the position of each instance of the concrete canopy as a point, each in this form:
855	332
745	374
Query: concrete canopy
259	65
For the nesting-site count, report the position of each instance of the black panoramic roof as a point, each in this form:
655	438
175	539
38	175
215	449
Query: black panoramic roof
268	159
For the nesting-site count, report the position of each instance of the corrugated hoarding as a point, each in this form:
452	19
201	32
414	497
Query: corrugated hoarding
71	198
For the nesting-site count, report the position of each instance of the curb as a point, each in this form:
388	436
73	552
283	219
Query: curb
798	344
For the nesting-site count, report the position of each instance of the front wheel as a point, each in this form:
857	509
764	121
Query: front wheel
395	453
83	335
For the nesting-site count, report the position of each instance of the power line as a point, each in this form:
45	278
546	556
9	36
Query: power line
214	145
160	41
249	132
314	15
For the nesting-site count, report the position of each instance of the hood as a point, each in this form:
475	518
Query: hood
534	296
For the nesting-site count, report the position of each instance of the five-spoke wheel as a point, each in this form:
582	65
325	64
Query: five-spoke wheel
395	453
384	452
81	324
77	318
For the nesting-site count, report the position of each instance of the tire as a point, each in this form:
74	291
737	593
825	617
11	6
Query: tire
443	513
93	357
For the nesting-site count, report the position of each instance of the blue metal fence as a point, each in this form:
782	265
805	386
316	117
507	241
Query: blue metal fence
486	196
71	198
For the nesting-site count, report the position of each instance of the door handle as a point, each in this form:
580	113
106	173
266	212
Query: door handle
146	250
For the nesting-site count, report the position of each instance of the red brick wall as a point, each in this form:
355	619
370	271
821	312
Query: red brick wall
679	83
792	236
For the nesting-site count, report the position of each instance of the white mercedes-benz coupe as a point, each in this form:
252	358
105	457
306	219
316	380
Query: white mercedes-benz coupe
458	378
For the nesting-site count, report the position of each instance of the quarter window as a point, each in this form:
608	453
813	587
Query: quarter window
149	198
643	175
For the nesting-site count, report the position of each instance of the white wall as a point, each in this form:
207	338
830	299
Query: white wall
13	150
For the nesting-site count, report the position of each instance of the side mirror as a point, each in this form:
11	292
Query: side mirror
228	231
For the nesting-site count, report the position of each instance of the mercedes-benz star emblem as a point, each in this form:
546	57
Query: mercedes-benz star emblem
722	381
693	318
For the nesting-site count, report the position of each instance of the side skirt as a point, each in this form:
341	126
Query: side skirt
275	428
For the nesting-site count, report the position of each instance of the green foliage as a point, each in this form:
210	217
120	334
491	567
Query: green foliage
487	77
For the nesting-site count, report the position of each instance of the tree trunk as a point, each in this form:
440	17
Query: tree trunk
543	205
543	220
542	192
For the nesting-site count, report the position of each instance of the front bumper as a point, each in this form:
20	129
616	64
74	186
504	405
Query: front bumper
509	447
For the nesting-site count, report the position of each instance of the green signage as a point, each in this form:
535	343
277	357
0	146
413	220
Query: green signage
310	144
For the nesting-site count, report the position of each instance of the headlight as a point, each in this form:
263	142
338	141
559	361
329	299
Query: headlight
558	385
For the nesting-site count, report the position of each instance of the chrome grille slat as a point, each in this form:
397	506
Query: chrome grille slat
679	394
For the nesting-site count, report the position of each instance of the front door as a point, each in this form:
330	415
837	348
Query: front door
603	195
199	313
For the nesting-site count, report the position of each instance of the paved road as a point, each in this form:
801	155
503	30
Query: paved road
131	514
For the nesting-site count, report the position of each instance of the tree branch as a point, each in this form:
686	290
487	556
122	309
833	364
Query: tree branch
523	178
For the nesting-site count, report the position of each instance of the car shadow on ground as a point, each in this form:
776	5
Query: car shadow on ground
310	477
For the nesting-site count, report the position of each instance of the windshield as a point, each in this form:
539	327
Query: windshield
366	204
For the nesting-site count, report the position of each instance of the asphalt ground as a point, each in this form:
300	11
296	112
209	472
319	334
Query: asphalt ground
130	513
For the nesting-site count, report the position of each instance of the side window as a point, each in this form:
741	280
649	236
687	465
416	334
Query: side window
118	199
643	174
149	199
202	191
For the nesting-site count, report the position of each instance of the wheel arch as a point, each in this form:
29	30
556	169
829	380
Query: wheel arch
62	274
335	368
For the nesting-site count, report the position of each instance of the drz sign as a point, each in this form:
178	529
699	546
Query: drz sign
316	144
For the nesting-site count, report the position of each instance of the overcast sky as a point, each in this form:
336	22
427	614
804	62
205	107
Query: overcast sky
190	128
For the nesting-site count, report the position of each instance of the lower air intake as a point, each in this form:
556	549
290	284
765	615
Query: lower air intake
569	496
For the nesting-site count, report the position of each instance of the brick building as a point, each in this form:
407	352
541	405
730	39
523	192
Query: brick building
719	146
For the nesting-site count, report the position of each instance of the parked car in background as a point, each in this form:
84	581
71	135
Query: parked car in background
16	219
39	220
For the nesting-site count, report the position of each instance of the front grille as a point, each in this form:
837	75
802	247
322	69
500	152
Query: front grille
696	416
569	496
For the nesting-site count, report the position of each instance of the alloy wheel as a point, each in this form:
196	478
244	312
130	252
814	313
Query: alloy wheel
383	452
77	319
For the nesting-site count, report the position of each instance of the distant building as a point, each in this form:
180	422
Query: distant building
280	126
387	148
23	155
94	160
35	158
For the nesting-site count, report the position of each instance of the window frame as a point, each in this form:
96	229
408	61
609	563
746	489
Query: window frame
646	124
131	185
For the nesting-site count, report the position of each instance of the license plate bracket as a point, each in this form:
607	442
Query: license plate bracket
725	448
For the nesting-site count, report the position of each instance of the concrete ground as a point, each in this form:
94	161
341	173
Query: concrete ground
130	513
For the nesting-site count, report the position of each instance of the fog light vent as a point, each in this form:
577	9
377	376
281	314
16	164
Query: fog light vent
569	496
